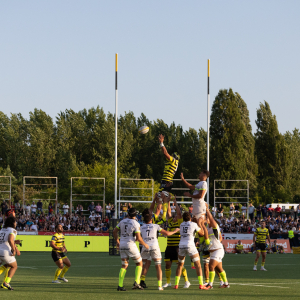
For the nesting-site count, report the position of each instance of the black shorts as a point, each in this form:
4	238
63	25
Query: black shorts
56	256
261	247
166	186
171	253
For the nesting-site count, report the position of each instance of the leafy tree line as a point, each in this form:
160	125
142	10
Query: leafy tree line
82	144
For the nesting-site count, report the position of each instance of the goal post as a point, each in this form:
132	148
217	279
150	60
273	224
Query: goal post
243	198
40	182
5	188
91	189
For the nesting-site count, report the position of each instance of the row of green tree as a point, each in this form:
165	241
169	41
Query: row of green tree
82	144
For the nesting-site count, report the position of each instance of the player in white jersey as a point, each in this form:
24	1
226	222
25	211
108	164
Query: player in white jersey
200	189
129	233
149	234
8	250
216	252
187	246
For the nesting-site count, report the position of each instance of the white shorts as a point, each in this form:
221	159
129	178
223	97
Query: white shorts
129	251
217	255
200	209
150	254
187	250
6	258
205	259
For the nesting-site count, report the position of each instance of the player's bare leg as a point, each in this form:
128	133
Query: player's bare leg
258	252
263	260
146	266
180	265
13	268
67	265
196	259
138	271
122	274
168	265
214	264
158	273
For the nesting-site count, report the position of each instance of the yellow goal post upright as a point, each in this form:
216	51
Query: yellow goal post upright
242	199
5	188
40	182
84	195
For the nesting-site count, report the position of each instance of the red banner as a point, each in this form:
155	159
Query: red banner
72	233
230	245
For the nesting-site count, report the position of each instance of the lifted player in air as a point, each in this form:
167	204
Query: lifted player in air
187	247
200	189
149	234
259	238
8	250
216	252
129	233
170	169
58	255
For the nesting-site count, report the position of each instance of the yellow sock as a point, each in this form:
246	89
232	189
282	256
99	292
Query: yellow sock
159	283
184	274
192	264
7	279
2	269
255	263
64	271
206	280
212	277
223	277
165	208
138	272
168	275
262	263
143	277
6	273
200	279
57	272
177	278
121	276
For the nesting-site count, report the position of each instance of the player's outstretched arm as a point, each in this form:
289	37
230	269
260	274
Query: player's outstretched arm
178	211
213	223
188	185
162	147
168	233
140	240
116	237
152	205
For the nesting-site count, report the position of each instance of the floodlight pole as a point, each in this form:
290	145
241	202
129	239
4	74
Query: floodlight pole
116	134
208	121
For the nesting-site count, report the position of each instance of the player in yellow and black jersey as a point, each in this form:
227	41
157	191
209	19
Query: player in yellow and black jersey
259	238
59	256
239	248
171	253
171	166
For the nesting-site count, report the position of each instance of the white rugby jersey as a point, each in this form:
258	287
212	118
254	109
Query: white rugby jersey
4	234
149	234
128	229
187	233
216	243
199	204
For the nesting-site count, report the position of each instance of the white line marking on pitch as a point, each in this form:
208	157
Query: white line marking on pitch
253	284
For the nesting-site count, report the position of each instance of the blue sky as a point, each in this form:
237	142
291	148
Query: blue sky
57	55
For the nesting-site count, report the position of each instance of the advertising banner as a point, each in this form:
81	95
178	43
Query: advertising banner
230	245
73	243
237	236
73	233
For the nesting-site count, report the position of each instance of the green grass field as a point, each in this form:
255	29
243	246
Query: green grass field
95	276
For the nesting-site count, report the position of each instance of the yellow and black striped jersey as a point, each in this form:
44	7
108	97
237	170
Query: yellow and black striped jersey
156	220
261	235
170	169
173	240
239	247
59	241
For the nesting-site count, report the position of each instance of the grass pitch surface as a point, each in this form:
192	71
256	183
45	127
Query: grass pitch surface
95	276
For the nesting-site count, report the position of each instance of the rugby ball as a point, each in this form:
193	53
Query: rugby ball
144	129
